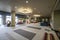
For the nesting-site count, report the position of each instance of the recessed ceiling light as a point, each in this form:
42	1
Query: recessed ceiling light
39	12
35	8
15	6
27	1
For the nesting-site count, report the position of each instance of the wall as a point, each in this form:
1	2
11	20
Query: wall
57	20
52	20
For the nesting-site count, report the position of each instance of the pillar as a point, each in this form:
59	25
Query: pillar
13	18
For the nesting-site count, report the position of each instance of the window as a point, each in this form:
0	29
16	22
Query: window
8	18
0	19
16	19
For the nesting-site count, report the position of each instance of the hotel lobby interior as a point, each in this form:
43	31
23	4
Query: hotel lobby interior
29	19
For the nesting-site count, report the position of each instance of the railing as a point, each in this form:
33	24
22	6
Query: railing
58	33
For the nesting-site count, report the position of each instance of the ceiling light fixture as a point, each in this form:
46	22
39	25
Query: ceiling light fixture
34	8
15	7
25	10
36	15
27	1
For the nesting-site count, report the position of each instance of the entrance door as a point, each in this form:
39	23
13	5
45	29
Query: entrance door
8	18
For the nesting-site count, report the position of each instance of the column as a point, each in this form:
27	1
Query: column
13	18
4	19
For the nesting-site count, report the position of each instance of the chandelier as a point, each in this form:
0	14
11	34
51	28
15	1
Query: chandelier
25	10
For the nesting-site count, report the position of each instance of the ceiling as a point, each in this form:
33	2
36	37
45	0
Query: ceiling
42	7
58	6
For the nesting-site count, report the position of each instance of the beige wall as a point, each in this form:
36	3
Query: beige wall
57	20
52	20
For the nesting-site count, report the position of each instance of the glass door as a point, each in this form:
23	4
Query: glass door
0	19
16	19
8	18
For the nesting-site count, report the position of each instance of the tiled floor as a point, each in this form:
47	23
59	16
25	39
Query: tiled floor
7	33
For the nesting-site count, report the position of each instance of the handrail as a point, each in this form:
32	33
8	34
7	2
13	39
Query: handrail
57	33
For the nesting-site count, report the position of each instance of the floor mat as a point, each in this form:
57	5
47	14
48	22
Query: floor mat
34	27
28	35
